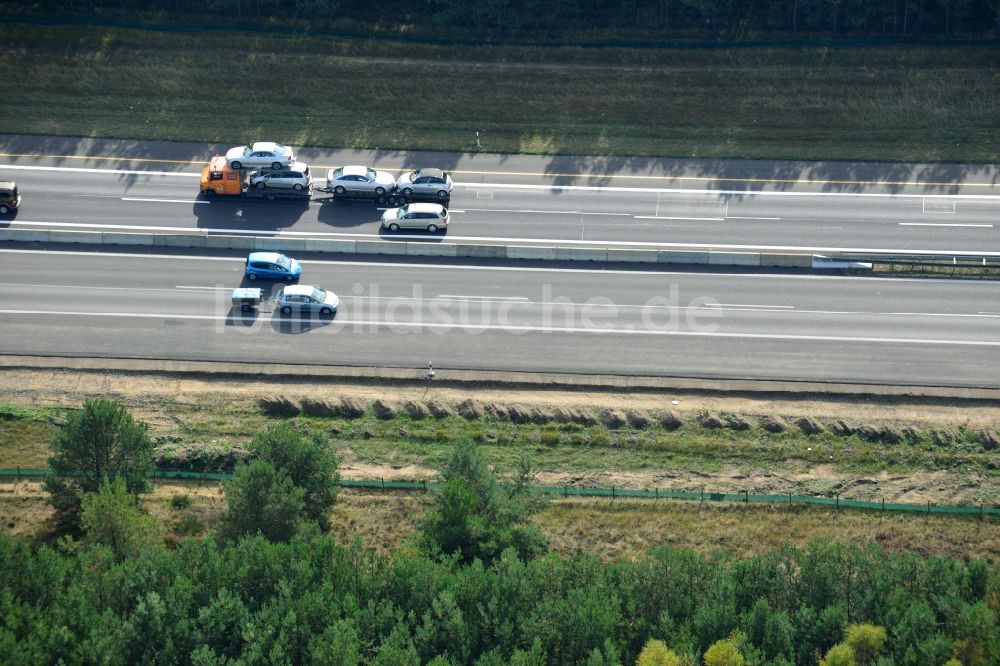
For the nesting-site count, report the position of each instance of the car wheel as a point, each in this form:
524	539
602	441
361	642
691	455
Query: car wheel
260	184
4	209
432	228
251	276
326	311
407	191
298	187
393	227
442	194
275	165
286	310
380	191
339	189
237	165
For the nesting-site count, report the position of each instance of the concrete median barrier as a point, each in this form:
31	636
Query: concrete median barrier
221	242
380	247
330	245
179	240
676	257
582	254
90	237
390	246
431	250
622	255
24	235
534	253
108	238
786	260
279	244
483	251
733	259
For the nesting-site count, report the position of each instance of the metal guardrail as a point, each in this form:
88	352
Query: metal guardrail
612	492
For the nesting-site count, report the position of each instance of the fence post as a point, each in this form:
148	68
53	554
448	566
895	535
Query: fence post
789	499
702	497
383	482
612	492
838	502
746	496
657	490
883	506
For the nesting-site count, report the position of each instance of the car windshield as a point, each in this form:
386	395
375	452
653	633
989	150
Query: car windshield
247	150
371	174
280	149
319	295
284	262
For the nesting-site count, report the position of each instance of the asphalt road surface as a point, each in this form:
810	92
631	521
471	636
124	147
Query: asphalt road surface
121	186
753	326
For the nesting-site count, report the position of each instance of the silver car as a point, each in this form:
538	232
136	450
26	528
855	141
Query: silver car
260	153
296	177
426	182
429	216
359	179
306	298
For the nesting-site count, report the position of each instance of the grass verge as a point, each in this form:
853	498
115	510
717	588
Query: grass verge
906	103
610	530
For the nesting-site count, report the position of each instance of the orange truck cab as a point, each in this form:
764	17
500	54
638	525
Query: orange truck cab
220	178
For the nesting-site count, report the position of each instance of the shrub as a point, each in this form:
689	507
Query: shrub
669	420
549	437
772	423
278	405
866	640
723	653
656	653
180	501
840	654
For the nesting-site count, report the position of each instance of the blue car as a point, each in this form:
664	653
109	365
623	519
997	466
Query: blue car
273	266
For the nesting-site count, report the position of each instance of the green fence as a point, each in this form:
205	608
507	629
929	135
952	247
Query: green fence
572	491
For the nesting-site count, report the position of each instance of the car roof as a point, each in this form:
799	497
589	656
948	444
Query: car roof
270	146
425	207
264	256
355	170
7	184
433	173
299	289
294	166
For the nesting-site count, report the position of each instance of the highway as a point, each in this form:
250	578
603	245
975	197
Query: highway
648	204
753	326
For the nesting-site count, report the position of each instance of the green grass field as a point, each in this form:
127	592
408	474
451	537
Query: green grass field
903	103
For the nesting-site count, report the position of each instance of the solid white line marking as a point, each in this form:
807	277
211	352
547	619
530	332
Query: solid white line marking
978	284
942	224
741	217
480	298
542	212
184	286
127	172
567	188
749	305
187	201
533	329
662	217
742	193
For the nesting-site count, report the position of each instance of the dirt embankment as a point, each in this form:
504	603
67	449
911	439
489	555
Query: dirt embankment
145	394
